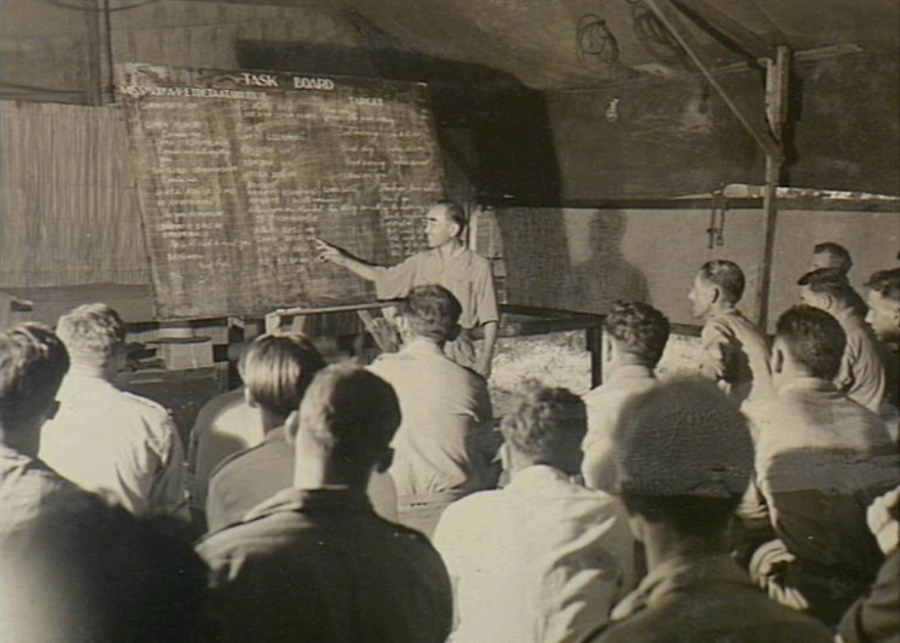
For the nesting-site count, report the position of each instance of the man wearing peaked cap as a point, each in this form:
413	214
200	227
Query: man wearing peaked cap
684	457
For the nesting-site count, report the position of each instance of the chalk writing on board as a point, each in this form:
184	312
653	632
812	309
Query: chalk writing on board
239	172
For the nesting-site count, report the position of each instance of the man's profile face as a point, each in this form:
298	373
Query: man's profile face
883	316
439	229
702	295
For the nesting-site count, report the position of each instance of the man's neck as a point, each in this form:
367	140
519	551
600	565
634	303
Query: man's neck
720	308
450	249
91	369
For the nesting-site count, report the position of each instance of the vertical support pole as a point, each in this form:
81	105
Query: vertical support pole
777	77
594	340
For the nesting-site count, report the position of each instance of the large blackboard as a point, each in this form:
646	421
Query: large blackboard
239	172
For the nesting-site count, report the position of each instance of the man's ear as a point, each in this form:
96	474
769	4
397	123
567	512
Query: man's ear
291	426
716	294
777	359
384	461
249	398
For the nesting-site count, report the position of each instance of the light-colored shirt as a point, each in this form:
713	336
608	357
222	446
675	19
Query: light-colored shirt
105	439
225	425
604	411
467	275
862	374
735	354
26	486
446	442
821	459
319	565
542	560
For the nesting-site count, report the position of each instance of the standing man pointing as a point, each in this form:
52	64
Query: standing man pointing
448	263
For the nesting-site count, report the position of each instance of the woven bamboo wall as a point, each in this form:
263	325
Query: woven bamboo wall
70	212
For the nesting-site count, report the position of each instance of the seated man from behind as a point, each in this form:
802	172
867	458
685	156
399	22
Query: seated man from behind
225	425
685	456
33	362
862	374
103	438
821	459
277	371
635	338
735	353
446	444
315	562
544	559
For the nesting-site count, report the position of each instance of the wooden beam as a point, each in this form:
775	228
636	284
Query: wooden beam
670	18
777	81
726	26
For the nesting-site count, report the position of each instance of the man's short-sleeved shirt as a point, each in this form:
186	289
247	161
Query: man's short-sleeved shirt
735	353
862	374
604	411
446	442
467	275
225	425
320	566
105	439
542	560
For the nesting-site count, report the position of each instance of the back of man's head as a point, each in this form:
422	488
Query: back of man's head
33	362
638	329
830	283
684	456
278	368
352	414
431	311
814	339
831	255
93	333
546	425
727	275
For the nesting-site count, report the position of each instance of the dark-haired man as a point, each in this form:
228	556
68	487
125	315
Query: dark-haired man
685	457
635	338
277	371
445	445
735	353
883	298
448	263
315	562
33	362
542	560
862	374
829	254
821	458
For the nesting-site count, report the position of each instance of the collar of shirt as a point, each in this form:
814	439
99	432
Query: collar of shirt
275	435
536	476
79	378
677	574
422	346
332	499
631	372
807	384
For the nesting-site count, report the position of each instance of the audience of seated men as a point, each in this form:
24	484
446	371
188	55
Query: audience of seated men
103	438
685	457
634	341
277	371
820	460
544	559
315	562
875	618
862	374
446	445
833	255
225	425
33	362
734	352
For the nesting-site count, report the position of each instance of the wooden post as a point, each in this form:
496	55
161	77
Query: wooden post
777	79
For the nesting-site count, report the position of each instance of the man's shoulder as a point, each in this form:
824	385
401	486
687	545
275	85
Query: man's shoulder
266	456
